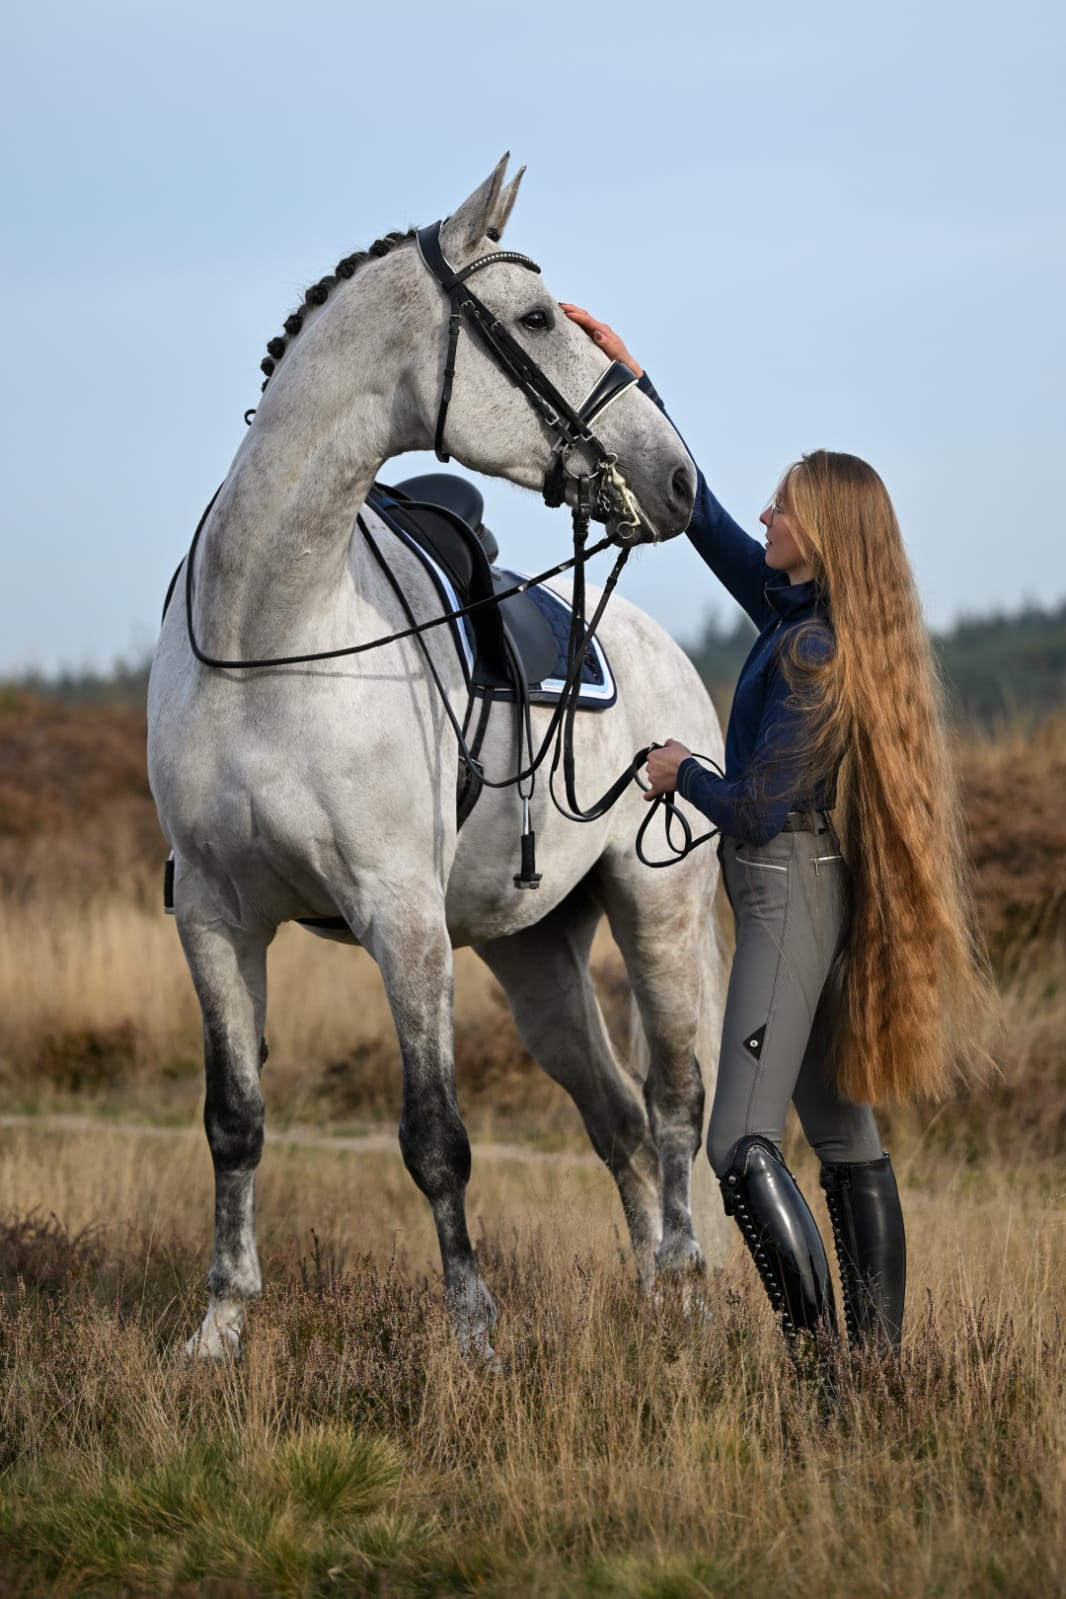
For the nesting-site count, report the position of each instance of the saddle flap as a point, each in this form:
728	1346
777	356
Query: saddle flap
448	541
529	631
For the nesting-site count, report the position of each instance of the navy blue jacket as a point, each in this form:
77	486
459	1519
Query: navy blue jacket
762	781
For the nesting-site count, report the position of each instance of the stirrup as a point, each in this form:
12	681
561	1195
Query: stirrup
864	1208
779	1230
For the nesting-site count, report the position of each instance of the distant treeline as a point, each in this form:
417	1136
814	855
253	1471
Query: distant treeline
996	668
125	684
1003	666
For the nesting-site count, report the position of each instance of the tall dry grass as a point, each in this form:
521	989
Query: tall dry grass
97	1010
631	1448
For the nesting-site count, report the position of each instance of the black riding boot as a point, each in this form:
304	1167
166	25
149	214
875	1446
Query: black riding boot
864	1208
778	1228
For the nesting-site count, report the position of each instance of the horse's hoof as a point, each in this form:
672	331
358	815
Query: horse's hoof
482	1358
476	1350
694	1303
473	1318
684	1294
213	1344
682	1278
680	1257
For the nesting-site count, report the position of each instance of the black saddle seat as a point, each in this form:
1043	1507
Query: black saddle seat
456	494
449	527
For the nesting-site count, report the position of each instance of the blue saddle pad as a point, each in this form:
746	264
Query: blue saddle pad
597	680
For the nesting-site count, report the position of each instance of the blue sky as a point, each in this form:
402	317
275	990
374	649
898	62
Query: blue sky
822	225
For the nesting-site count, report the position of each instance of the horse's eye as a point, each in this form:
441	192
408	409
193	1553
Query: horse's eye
536	321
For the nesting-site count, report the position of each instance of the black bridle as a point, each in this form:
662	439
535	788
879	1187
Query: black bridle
570	429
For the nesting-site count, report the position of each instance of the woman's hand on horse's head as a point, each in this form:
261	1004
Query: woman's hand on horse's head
662	768
603	336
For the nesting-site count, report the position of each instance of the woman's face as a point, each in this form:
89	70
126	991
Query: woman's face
783	554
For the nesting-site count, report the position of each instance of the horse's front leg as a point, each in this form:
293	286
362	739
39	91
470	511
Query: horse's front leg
228	968
415	957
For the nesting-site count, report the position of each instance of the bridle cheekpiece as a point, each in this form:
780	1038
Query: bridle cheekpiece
599	491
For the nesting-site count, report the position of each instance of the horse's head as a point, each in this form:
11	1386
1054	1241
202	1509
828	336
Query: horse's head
492	426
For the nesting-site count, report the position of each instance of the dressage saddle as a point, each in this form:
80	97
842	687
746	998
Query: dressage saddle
444	515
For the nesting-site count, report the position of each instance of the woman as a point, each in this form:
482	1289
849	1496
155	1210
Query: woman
857	975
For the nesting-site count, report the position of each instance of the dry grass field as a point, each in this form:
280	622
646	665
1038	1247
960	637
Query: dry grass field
663	1450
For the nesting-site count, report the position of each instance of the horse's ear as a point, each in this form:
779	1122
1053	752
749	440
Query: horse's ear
506	204
487	208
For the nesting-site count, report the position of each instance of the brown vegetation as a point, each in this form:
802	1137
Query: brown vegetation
76	817
95	1002
1015	790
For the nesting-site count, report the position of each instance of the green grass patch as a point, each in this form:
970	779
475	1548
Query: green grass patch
307	1514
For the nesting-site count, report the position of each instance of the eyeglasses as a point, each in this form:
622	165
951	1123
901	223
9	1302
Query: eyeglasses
775	508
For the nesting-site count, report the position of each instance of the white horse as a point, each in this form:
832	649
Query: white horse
329	788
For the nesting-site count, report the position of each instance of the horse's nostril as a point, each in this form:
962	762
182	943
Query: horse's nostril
683	487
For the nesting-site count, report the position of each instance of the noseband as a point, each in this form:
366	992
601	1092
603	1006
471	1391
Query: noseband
571	429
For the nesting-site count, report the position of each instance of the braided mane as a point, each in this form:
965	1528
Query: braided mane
319	292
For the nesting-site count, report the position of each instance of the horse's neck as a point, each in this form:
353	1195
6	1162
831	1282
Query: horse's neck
274	558
275	551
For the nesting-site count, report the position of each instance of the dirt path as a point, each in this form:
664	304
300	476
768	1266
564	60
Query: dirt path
375	1140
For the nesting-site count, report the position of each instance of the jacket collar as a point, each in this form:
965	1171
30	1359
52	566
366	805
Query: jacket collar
794	601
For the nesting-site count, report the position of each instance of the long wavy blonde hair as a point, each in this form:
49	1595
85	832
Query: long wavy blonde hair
915	988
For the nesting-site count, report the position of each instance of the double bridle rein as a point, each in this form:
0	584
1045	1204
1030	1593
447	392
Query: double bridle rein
598	493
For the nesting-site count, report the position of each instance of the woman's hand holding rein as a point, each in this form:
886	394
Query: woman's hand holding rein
663	763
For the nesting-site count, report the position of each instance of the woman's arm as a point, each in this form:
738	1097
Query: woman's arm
736	559
754	806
